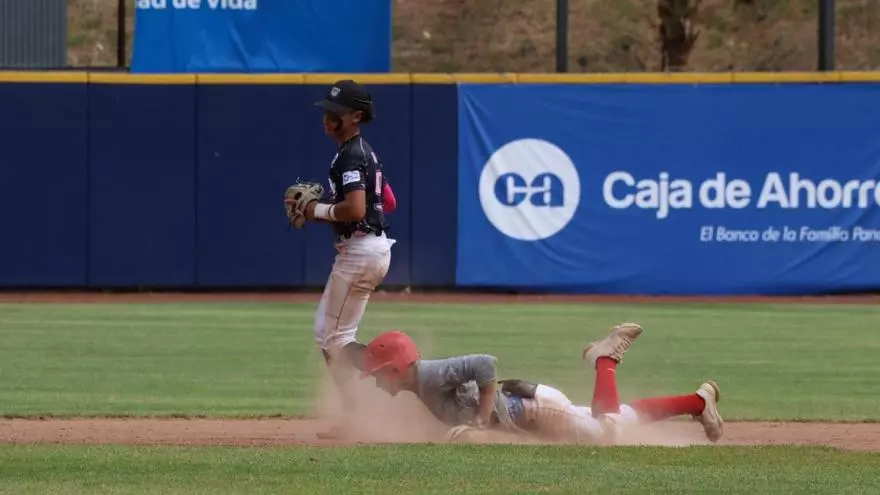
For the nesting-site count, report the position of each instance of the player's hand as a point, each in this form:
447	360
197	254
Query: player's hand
309	211
458	434
297	220
480	422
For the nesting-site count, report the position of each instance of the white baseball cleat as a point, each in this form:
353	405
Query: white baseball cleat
613	345
711	420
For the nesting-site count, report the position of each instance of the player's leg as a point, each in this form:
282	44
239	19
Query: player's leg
703	405
339	359
357	270
604	355
356	274
339	371
551	415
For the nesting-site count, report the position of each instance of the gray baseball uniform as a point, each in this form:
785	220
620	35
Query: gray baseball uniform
449	388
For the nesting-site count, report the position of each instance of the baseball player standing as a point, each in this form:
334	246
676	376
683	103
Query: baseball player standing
360	195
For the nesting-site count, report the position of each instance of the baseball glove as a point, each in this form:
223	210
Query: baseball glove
297	197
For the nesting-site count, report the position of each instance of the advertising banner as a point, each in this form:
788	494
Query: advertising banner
672	189
262	36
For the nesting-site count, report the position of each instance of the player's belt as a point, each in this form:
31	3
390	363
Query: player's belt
361	233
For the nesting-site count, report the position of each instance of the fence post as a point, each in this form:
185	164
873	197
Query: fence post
826	35
561	35
120	34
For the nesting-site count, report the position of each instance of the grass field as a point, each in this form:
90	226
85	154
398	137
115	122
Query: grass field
437	469
773	361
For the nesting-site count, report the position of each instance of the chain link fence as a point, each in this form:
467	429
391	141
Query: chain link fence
33	34
604	35
631	35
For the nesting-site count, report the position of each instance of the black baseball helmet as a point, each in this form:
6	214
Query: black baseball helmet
347	95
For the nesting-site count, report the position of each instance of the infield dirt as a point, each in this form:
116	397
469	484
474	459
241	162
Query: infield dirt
275	432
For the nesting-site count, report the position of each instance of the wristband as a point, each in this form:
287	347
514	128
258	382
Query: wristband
324	211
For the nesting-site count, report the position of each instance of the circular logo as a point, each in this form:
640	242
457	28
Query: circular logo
529	189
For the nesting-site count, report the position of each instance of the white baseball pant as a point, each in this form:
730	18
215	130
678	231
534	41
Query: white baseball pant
555	417
360	266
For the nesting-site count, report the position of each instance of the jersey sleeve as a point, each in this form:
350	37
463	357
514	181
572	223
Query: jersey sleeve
389	201
479	368
353	172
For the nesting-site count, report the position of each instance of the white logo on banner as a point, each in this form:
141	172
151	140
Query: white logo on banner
197	4
622	190
529	189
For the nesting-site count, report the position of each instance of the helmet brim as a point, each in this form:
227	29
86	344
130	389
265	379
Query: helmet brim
378	369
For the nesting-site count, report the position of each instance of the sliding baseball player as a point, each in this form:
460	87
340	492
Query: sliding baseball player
461	392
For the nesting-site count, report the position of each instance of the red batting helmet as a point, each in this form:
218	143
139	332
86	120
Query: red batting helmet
392	350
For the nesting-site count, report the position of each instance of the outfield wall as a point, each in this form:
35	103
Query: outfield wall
603	183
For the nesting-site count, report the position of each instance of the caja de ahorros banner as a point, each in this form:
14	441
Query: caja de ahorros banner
262	36
679	189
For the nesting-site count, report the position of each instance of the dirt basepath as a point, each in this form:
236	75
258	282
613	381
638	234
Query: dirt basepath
275	432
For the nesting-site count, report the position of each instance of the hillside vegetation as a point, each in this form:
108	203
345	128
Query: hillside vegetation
605	35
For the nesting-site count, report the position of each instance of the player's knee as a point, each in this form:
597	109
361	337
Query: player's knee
350	354
336	338
335	343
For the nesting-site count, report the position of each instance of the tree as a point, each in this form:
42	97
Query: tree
677	32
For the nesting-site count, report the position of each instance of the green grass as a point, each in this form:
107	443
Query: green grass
772	361
435	469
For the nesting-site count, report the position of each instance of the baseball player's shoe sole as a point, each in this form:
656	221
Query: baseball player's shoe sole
614	345
711	420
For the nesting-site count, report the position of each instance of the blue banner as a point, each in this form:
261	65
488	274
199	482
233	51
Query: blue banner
262	36
649	189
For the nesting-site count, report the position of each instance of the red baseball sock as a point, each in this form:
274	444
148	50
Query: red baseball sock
660	408
605	398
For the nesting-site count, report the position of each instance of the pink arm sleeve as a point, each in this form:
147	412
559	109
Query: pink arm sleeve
389	202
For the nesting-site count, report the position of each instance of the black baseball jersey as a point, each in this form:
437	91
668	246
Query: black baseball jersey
355	167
